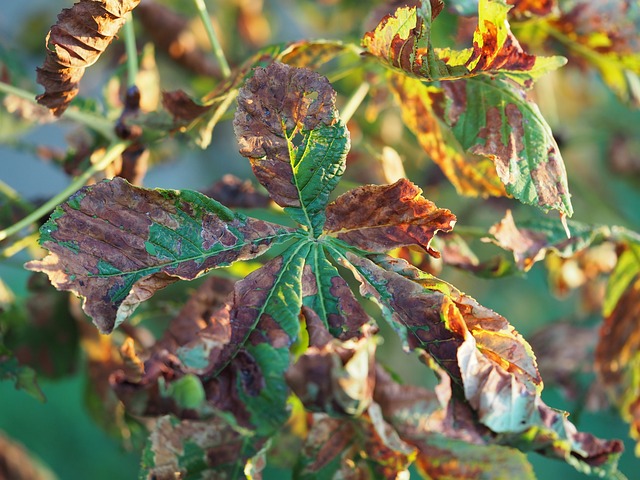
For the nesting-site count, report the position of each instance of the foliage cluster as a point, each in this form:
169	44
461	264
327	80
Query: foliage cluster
272	360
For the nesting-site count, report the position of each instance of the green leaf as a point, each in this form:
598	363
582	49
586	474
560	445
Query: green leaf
329	296
268	409
115	244
470	174
493	118
288	126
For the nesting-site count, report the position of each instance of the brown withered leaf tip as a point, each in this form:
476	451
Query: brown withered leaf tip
75	42
380	218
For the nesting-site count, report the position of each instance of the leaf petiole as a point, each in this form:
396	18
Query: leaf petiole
354	102
94	122
215	44
109	156
132	51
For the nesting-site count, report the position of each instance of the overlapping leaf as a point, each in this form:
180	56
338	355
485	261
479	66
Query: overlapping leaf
75	42
403	41
485	357
492	119
232	366
116	245
605	36
422	112
482	131
288	126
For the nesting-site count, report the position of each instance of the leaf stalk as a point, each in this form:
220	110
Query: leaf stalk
94	122
113	152
354	102
132	51
213	38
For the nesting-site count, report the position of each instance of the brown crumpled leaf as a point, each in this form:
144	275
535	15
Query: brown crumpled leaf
75	42
379	218
334	376
236	193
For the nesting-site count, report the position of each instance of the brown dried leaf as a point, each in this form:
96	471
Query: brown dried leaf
75	42
233	192
337	377
381	218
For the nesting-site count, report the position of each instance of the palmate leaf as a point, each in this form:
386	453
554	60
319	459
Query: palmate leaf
238	359
115	244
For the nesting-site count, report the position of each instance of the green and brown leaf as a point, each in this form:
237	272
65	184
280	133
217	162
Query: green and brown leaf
288	126
115	244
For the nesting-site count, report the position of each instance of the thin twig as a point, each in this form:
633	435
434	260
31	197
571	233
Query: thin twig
132	51
89	120
354	102
109	156
215	44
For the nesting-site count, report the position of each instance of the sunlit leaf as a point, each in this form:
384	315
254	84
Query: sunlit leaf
381	218
288	126
618	349
75	42
421	107
402	40
116	245
605	36
485	357
627	268
534	239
